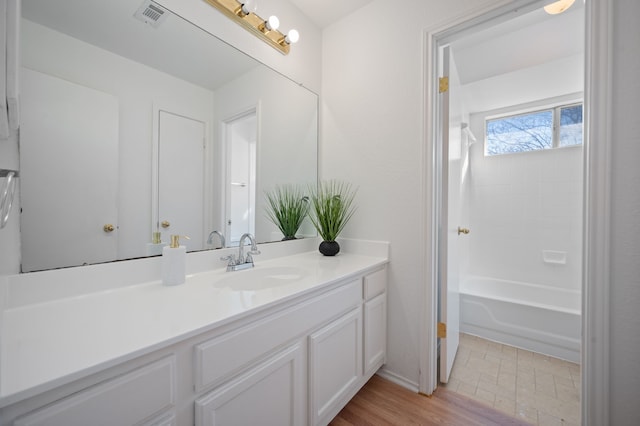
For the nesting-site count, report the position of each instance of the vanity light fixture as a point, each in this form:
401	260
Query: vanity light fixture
243	12
558	6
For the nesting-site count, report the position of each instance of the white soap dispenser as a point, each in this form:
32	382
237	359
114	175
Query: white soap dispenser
174	262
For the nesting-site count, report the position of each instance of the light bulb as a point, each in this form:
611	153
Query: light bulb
249	6
292	37
272	23
558	7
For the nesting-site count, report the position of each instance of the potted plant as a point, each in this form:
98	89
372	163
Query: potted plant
287	206
331	208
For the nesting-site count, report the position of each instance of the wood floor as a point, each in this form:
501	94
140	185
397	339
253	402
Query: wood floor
381	402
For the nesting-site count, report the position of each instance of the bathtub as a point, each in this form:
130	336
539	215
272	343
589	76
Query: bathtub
536	317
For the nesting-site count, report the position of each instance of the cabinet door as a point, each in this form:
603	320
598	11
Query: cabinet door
375	333
127	400
270	394
335	366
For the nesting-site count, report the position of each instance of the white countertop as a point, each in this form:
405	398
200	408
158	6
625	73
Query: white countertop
45	345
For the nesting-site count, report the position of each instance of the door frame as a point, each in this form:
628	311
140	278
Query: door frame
225	123
596	211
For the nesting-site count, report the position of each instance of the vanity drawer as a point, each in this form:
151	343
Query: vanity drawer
111	403
224	356
375	283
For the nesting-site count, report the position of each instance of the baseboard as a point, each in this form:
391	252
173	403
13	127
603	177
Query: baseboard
397	379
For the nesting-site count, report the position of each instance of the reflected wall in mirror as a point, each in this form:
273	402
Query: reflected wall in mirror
130	129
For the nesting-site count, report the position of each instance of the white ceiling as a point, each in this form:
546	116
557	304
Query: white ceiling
176	47
325	12
522	42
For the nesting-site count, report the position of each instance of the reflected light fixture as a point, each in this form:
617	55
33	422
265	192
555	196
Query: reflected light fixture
243	12
558	7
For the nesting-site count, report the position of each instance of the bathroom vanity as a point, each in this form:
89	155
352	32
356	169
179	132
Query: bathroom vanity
288	342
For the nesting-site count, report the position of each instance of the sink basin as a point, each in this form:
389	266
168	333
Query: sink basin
260	278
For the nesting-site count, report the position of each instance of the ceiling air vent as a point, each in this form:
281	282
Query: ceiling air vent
150	13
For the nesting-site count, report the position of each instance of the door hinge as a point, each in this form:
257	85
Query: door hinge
443	84
442	330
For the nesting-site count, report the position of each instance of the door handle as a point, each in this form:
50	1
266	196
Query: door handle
463	231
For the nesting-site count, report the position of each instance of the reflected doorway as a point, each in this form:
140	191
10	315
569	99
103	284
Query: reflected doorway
181	141
241	135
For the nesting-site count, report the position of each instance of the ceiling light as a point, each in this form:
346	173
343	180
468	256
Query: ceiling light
558	7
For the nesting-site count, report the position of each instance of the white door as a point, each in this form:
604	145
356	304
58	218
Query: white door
449	250
68	169
181	144
241	135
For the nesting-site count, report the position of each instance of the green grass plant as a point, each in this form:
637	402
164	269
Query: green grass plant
287	206
331	207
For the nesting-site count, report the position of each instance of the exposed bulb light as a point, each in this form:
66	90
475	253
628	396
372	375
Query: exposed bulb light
272	23
292	37
249	6
558	7
243	13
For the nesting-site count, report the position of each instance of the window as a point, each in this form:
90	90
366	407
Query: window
534	131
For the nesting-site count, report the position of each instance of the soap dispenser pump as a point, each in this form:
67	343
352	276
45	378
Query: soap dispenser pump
174	262
154	248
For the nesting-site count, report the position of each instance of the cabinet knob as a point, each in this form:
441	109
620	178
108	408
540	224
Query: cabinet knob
108	228
463	231
165	224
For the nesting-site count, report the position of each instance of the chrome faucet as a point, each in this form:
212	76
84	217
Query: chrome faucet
219	234
242	262
251	252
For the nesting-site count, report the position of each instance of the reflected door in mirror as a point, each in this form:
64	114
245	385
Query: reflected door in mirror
241	136
181	178
69	173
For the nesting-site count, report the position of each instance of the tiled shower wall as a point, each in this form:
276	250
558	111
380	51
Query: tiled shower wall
521	205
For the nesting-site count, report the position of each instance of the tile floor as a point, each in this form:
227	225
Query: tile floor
533	387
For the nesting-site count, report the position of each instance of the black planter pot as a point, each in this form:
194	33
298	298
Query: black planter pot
329	248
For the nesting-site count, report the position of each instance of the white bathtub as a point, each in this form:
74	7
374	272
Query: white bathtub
535	317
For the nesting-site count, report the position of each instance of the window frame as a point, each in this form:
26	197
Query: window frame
555	108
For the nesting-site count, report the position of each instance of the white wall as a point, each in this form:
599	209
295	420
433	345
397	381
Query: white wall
522	204
625	217
542	81
372	135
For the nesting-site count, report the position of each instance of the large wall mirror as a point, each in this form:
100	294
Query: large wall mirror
132	130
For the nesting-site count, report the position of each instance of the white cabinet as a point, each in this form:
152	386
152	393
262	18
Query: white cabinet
335	366
270	394
375	333
375	320
292	363
134	398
